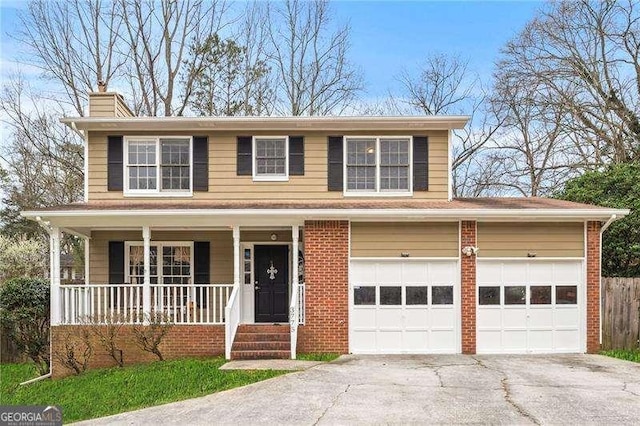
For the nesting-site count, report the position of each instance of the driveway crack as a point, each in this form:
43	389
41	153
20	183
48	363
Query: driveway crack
504	382
333	402
518	408
624	388
439	376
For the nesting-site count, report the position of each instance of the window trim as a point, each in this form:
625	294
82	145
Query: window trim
159	245
154	192
377	193
269	178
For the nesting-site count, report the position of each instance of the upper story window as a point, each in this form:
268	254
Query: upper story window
271	158
378	165
158	165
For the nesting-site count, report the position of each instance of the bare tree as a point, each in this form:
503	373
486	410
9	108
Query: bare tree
73	42
586	55
531	152
311	62
444	85
157	38
36	138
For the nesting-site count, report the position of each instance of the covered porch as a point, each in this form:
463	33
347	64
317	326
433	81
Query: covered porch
182	269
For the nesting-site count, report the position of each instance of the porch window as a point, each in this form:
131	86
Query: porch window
171	263
270	161
378	165
158	165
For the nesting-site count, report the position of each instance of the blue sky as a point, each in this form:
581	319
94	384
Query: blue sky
387	36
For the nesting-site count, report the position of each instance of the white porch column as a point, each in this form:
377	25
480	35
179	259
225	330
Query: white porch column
146	285
295	236
236	256
87	259
54	275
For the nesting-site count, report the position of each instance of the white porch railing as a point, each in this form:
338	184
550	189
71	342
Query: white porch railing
182	304
233	320
296	315
301	304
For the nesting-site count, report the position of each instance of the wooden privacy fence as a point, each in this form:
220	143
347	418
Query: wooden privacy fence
621	313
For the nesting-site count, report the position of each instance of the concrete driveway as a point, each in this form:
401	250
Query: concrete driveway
578	389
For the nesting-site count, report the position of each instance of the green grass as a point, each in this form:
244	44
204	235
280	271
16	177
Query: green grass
103	392
317	357
629	355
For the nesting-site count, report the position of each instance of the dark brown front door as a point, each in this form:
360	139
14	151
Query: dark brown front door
271	283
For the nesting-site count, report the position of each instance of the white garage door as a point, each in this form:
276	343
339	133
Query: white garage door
404	306
530	306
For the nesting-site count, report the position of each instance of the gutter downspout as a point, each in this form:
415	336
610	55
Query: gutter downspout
604	227
37	379
47	227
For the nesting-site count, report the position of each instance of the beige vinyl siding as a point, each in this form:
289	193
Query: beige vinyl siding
519	239
122	110
422	239
221	251
102	105
225	185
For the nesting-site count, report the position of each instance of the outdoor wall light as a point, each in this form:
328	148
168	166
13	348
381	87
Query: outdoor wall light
404	254
532	254
470	250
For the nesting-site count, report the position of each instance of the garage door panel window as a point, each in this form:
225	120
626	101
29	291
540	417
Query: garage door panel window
442	295
566	295
391	296
540	295
364	295
417	295
515	295
489	295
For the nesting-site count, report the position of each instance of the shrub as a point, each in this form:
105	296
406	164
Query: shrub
76	351
24	312
149	337
22	257
107	329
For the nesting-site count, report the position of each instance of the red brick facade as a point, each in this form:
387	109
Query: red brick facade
326	252
468	288
182	341
593	287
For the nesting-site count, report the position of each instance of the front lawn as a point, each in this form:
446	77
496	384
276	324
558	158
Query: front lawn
98	393
317	357
629	355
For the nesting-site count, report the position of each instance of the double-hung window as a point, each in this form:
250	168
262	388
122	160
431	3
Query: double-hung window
378	165
271	158
170	262
158	165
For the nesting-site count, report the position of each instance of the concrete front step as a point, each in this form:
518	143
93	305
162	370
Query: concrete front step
260	354
262	346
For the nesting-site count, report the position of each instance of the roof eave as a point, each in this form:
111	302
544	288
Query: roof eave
341	123
444	214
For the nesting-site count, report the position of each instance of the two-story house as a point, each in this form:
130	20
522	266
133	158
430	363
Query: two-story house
260	237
